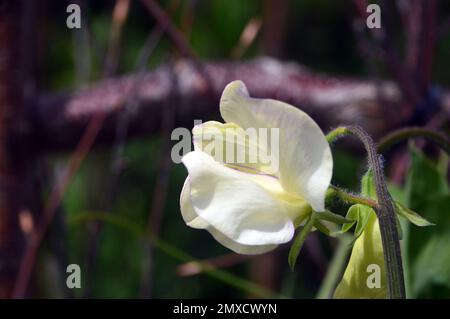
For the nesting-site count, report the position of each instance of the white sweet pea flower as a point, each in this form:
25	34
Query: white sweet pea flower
250	207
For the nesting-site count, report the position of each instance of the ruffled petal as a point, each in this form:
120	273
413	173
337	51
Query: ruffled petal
239	248
248	209
188	213
305	164
195	221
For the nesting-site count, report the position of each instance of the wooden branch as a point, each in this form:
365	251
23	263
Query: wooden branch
60	119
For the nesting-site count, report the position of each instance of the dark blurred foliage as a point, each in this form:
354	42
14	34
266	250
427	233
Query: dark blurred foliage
317	34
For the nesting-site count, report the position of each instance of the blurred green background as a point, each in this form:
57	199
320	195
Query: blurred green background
316	33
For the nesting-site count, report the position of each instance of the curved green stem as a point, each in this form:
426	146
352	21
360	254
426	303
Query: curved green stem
409	132
385	212
337	133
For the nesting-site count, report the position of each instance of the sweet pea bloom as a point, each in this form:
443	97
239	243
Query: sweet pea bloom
250	207
365	275
367	257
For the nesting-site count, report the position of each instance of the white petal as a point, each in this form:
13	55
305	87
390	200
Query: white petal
305	160
228	143
195	221
249	209
240	248
190	217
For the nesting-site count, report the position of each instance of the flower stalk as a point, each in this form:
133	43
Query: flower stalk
351	198
385	212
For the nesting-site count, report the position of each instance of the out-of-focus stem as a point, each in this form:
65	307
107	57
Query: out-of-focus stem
410	132
335	268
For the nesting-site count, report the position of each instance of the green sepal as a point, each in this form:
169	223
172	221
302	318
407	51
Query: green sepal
323	229
359	215
332	217
299	240
411	215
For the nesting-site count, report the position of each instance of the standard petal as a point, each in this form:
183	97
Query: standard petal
232	145
193	220
249	209
305	164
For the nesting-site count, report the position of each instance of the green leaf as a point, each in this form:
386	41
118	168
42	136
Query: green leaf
423	182
397	192
299	240
399	227
431	259
427	249
411	215
443	163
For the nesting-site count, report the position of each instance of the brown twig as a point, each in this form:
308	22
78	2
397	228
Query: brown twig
165	23
274	30
421	33
35	239
412	24
247	37
130	102
187	19
119	17
160	192
428	44
383	37
60	119
370	54
176	36
82	45
129	107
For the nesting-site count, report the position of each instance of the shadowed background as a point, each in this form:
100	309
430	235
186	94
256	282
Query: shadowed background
87	115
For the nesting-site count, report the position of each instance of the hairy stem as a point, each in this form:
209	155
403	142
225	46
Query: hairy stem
385	212
336	133
351	198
